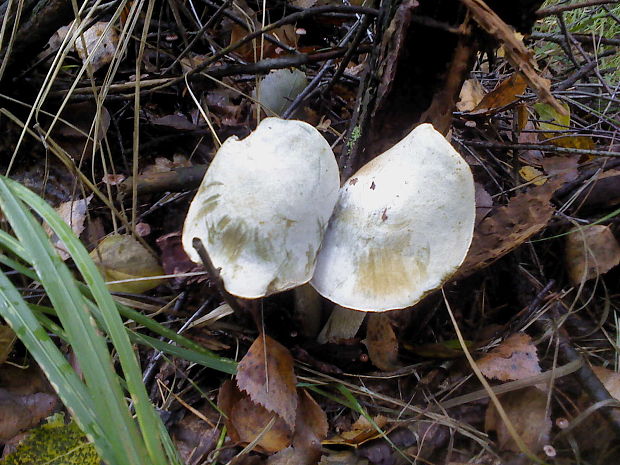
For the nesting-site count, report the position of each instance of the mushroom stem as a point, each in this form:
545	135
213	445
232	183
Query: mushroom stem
343	323
308	310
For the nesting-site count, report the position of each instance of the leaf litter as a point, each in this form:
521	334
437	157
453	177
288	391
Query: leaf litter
510	138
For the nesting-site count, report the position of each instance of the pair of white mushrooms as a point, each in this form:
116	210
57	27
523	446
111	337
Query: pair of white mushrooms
272	216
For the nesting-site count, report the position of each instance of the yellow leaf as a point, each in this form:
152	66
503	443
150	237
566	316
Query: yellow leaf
121	257
531	174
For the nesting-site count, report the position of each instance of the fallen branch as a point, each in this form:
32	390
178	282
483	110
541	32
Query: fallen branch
554	10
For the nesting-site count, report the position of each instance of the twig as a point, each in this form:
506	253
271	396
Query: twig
177	180
264	66
360	25
543	147
583	38
215	274
292	18
554	10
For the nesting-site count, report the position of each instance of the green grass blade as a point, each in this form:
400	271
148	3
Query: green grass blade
112	323
89	346
71	390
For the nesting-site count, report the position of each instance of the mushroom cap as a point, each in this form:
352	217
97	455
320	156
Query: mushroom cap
263	207
402	226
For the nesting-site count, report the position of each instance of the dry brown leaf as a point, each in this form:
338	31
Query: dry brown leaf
74	214
471	95
246	421
516	53
266	374
382	343
20	412
509	226
515	358
504	94
251	51
527	410
310	429
484	202
591	252
360	432
102	54
565	168
610	379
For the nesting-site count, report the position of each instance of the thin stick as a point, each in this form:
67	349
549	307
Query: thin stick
554	10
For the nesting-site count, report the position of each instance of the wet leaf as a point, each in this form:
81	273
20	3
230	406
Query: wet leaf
509	226
21	412
7	340
504	94
54	443
527	410
103	54
120	257
515	358
591	252
266	375
382	343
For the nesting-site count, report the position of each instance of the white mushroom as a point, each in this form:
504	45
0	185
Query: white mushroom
402	226
263	206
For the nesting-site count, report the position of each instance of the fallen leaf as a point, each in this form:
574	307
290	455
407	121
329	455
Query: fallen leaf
266	374
471	95
246	421
80	125
86	45
382	343
516	53
527	411
564	168
515	358
121	257
504	94
444	349
610	379
21	412
7	340
509	226
484	202
279	88
603	192
591	252
360	432
74	214
55	443
173	257
553	122
310	429
533	175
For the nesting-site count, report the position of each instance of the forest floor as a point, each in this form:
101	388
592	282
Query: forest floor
515	360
